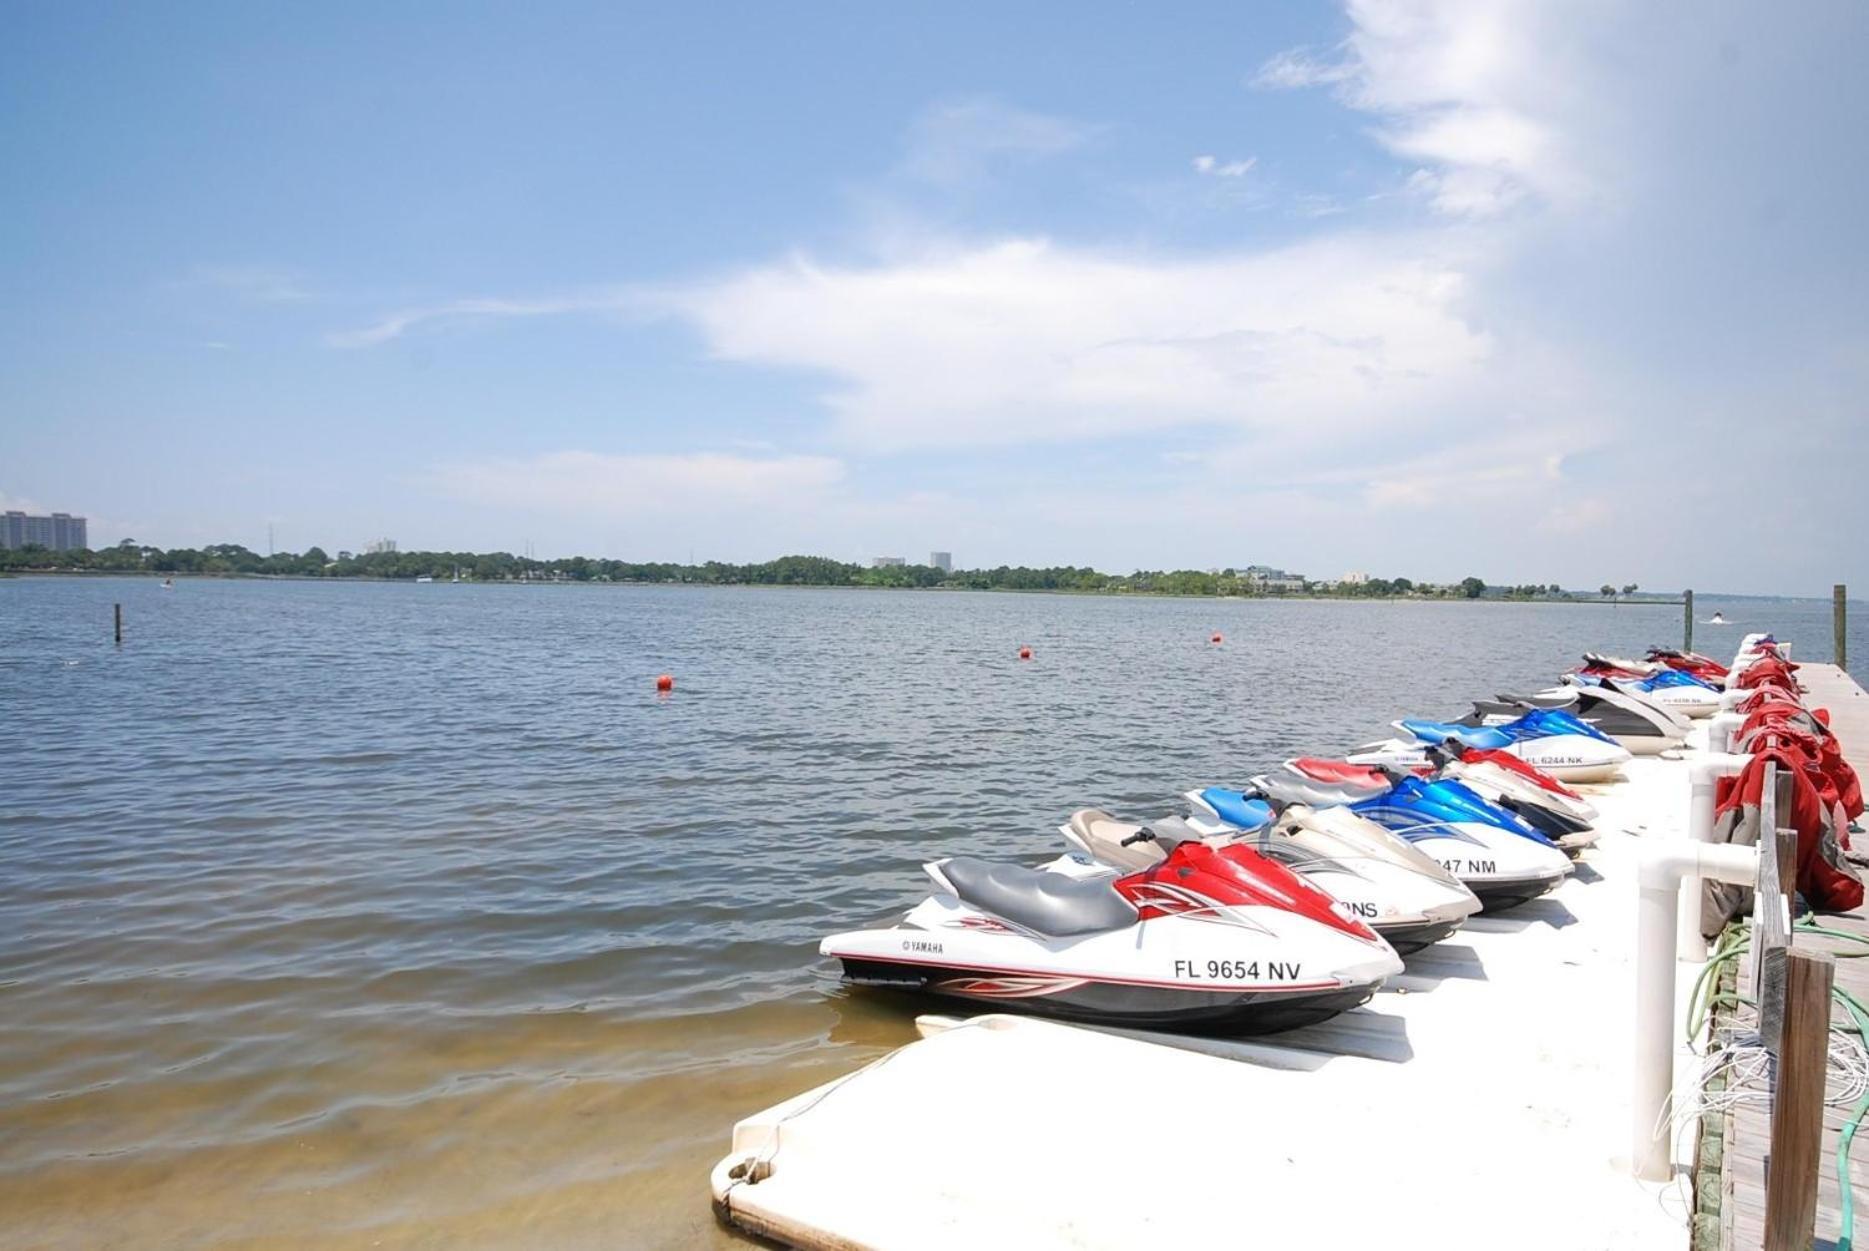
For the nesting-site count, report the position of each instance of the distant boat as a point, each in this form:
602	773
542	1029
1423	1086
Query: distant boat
425	578
168	584
457	573
1717	619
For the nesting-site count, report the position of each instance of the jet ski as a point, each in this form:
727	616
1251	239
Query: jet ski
1620	666
1503	861
1201	942
1560	815
1675	690
1706	668
1638	725
1405	902
1549	739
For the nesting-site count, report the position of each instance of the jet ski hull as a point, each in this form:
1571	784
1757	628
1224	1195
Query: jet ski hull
1097	1001
1410	938
1573	758
1501	894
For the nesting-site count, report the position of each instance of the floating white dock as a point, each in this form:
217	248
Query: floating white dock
1483	1098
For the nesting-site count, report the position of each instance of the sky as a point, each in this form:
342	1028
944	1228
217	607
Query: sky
1541	290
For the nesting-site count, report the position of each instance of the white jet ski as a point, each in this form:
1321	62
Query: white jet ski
1201	942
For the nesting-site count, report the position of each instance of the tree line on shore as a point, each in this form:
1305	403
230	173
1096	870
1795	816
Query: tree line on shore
231	559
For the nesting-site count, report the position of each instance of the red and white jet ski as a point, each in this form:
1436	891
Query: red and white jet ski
1201	942
1374	877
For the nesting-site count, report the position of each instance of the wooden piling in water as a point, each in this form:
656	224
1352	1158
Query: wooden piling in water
1687	624
119	616
1798	1102
1839	623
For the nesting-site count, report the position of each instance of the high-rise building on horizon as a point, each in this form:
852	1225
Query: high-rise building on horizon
888	562
60	532
944	561
376	546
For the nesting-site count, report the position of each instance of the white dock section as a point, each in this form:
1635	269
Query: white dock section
1482	1099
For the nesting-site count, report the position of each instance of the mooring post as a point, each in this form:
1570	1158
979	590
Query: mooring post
1687	625
119	616
1771	919
1839	622
1798	1102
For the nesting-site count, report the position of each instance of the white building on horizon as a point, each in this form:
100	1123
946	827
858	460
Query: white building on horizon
1267	578
944	561
377	546
888	562
1354	578
60	532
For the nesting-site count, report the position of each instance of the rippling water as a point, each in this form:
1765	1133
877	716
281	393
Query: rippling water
356	915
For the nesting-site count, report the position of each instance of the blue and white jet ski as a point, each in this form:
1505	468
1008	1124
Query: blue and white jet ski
1674	689
1550	739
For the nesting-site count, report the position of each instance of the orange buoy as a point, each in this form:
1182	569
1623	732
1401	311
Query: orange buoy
665	683
1217	637
1025	653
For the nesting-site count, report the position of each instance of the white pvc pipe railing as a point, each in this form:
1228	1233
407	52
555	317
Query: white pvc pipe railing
1661	870
1703	779
1720	729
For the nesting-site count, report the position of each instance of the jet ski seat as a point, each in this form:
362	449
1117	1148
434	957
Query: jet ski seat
1236	808
1049	903
1483	737
1322	769
1285	789
1104	835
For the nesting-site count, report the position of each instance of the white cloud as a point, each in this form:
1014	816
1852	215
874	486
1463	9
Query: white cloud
1228	169
1025	341
1474	89
599	485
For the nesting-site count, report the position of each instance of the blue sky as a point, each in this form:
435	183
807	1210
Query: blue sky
1542	290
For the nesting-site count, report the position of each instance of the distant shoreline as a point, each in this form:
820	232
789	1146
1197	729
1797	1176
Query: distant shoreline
1639	601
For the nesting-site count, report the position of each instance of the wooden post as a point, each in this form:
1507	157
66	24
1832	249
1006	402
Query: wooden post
1687	625
1771	930
1839	623
1798	1103
119	616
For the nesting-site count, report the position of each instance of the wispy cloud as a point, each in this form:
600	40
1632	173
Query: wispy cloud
1216	168
251	284
395	325
1301	67
958	142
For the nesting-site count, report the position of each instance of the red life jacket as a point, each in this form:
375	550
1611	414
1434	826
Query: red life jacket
1824	878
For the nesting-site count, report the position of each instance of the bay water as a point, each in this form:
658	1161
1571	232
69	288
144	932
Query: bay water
345	915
